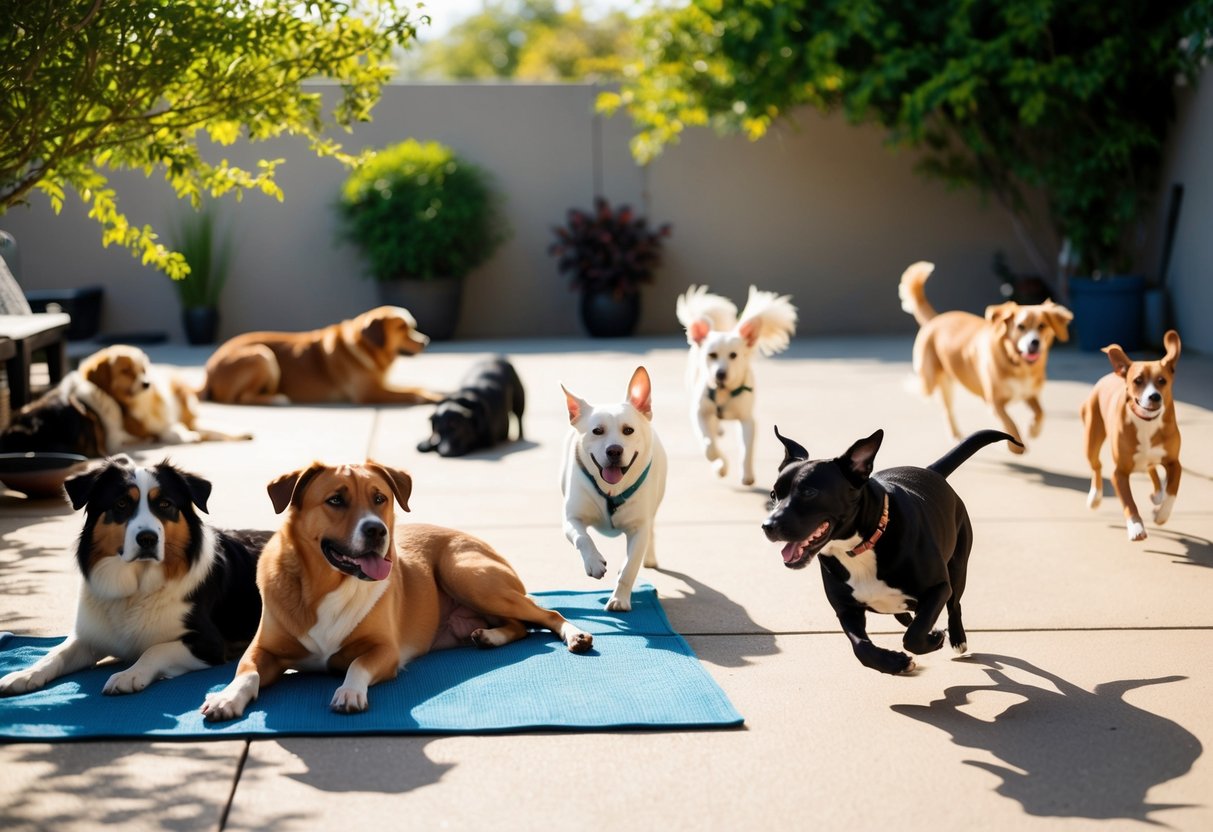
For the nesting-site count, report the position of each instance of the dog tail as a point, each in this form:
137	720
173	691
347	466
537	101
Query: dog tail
968	446
768	321
912	291
697	306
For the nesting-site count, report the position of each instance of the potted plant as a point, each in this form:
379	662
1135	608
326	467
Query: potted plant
608	253
423	218
208	253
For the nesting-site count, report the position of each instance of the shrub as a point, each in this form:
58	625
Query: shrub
607	249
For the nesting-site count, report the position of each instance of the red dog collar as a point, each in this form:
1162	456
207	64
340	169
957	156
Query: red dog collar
880	527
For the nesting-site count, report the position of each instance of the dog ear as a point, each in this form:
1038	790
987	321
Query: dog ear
1058	318
400	482
1120	361
859	459
1002	312
640	392
286	489
1171	342
97	372
79	487
792	451
198	488
698	330
750	330
577	407
375	332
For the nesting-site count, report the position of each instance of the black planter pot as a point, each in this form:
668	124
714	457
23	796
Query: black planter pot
434	304
201	324
607	316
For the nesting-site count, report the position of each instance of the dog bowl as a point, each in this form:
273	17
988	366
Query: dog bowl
38	474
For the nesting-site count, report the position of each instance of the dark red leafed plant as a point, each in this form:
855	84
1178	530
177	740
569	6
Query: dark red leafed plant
607	249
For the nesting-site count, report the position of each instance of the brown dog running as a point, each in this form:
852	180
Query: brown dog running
344	362
341	592
1134	408
1000	358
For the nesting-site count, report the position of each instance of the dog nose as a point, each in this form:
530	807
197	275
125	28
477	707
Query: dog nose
1034	344
146	539
374	532
768	527
614	451
720	374
1156	397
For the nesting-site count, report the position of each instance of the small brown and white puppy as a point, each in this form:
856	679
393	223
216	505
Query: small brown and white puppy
139	404
1133	407
346	590
1001	358
343	362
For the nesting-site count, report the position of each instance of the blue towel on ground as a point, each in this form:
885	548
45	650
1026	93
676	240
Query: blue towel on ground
640	674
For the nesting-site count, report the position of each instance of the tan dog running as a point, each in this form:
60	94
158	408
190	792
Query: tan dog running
1000	357
1134	408
343	362
341	592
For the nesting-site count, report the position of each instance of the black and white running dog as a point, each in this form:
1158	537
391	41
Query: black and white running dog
894	542
160	587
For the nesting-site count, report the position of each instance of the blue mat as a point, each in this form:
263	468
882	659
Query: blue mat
640	674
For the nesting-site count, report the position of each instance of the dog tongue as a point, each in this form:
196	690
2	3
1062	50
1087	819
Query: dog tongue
375	568
612	474
790	551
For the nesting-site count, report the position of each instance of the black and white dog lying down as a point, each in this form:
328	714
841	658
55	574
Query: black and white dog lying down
896	541
477	415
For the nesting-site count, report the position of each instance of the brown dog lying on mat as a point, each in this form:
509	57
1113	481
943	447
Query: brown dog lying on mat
344	589
343	362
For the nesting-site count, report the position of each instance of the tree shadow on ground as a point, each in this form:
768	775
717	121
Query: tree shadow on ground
1063	751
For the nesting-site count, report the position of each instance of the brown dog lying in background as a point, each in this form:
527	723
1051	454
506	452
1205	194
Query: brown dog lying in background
344	589
1000	358
343	362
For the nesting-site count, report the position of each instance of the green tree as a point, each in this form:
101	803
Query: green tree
92	86
1072	97
530	40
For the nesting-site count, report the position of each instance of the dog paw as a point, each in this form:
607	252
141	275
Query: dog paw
579	642
219	707
595	564
349	700
1094	498
1163	513
1136	530
22	681
748	479
1034	428
128	681
960	649
928	643
1016	449
619	603
720	466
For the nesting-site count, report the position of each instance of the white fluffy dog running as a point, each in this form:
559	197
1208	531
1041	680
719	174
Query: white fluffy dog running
613	480
720	375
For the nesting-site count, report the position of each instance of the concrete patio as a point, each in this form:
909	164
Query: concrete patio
1085	703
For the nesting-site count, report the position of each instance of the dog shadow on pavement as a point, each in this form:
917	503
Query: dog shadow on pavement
685	610
1063	751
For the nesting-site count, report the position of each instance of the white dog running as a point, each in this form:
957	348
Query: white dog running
719	372
612	480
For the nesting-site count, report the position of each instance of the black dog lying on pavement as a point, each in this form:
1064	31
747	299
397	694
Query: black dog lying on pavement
477	415
895	542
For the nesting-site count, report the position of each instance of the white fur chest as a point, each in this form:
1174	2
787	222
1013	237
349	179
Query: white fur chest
1146	454
337	616
866	588
1020	388
153	612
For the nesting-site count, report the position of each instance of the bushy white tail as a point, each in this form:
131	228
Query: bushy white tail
773	315
697	304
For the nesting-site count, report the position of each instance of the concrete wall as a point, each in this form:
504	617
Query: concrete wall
820	209
1189	279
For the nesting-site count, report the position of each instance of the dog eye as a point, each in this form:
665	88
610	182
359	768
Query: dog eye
1160	382
712	355
628	430
732	355
379	499
121	503
598	430
336	501
773	497
163	504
